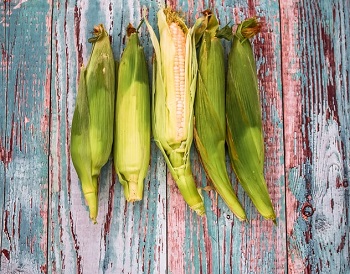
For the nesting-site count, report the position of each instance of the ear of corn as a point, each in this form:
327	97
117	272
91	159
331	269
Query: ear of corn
92	125
132	134
244	121
80	146
210	121
173	94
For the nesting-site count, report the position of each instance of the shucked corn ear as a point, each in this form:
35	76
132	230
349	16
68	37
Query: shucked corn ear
244	121
132	134
92	125
209	111
175	73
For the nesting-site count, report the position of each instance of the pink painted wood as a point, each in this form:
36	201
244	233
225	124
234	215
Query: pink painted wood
302	56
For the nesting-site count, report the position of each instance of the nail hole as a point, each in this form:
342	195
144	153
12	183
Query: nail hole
345	183
307	210
228	217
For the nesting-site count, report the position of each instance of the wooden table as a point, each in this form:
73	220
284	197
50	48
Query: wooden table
303	58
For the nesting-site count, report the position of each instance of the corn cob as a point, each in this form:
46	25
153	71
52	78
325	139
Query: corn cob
132	134
175	72
92	124
244	121
209	111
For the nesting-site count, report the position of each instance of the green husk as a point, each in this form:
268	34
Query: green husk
132	134
210	121
244	121
92	124
176	154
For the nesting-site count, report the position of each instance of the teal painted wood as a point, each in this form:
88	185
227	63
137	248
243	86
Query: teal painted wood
25	135
3	117
224	244
244	242
302	55
67	211
128	237
316	103
192	247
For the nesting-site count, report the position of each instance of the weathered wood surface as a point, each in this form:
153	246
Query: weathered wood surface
316	109
303	62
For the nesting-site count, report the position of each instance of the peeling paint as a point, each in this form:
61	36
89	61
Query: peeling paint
302	56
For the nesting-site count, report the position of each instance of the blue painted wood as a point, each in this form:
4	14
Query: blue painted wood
226	239
3	116
66	251
25	136
302	57
128	237
244	242
317	173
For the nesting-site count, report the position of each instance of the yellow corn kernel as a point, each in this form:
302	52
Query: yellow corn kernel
175	73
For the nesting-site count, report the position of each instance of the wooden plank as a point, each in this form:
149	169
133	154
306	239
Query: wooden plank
220	242
128	238
74	241
3	117
136	242
303	49
27	55
316	102
68	214
259	246
191	240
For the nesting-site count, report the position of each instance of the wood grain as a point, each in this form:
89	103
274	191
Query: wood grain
302	56
26	58
191	247
223	240
128	238
316	135
261	236
3	117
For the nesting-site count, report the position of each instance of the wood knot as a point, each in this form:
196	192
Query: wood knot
307	210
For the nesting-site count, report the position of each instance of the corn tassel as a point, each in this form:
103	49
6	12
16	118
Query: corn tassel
175	72
244	121
92	124
209	111
132	134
